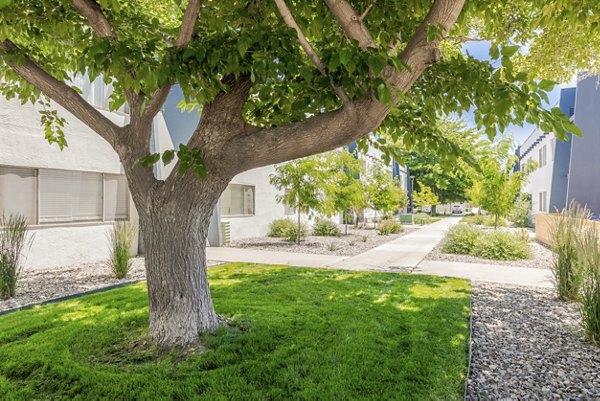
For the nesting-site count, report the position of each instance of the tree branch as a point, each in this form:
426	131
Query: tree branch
92	11
188	23
366	12
289	20
61	93
333	129
186	32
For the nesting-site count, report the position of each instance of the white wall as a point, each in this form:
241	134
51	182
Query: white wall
24	145
266	208
539	180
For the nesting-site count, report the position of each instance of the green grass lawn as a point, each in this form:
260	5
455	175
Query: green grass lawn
296	333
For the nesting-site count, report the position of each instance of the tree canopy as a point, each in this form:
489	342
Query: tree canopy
298	62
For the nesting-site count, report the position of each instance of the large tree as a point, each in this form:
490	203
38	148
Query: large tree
273	81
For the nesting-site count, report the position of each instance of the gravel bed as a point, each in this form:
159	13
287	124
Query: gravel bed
38	285
541	257
527	345
356	242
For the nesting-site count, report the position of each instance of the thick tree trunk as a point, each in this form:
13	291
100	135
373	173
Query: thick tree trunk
174	226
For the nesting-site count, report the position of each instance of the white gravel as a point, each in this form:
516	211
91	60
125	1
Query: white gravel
356	242
527	345
36	286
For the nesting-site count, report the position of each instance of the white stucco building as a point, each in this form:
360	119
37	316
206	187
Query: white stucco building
70	197
73	197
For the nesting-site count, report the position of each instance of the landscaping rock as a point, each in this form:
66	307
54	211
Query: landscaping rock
36	286
345	245
528	345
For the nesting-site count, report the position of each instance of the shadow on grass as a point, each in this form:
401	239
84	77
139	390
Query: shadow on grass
296	333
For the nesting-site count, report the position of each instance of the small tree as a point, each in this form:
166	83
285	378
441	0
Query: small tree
345	190
384	193
303	181
426	197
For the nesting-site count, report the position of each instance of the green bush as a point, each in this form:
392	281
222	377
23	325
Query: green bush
326	228
13	232
120	239
589	256
293	234
422	218
520	213
279	227
461	239
496	245
476	219
387	227
483	220
501	245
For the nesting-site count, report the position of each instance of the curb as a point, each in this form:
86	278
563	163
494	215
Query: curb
470	357
71	296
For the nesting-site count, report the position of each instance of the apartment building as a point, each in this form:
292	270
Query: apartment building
566	170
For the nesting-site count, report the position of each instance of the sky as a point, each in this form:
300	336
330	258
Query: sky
480	50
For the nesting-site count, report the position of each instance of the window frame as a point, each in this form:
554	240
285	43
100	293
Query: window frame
243	187
37	197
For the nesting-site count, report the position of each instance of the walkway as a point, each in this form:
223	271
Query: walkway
405	254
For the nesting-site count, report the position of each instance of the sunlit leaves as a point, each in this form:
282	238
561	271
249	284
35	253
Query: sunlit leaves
188	159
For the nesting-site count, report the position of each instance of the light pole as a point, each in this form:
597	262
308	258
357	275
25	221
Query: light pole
410	193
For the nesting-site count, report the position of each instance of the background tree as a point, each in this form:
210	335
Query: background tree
499	185
384	193
273	83
448	178
303	182
426	197
345	190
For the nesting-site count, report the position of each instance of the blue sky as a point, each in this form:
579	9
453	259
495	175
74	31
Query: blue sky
480	50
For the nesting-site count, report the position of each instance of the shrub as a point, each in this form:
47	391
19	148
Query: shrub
279	227
13	231
567	227
501	245
520	213
481	220
589	251
497	245
120	239
422	218
476	219
387	227
333	246
325	228
461	239
292	233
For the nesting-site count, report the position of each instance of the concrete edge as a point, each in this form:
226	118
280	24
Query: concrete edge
470	353
71	296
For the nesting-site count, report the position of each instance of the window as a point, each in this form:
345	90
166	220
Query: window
116	197
18	192
59	196
67	196
543	199
237	200
542	152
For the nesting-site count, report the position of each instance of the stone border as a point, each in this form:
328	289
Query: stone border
70	296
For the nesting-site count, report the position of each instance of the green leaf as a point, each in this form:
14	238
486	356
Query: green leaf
546	85
376	63
5	3
150	159
168	156
509	51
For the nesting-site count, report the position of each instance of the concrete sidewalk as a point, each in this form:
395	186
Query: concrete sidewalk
406	251
501	274
405	254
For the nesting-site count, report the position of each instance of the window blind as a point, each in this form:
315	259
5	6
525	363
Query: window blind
116	197
18	192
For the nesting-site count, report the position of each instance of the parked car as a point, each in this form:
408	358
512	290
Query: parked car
457	209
